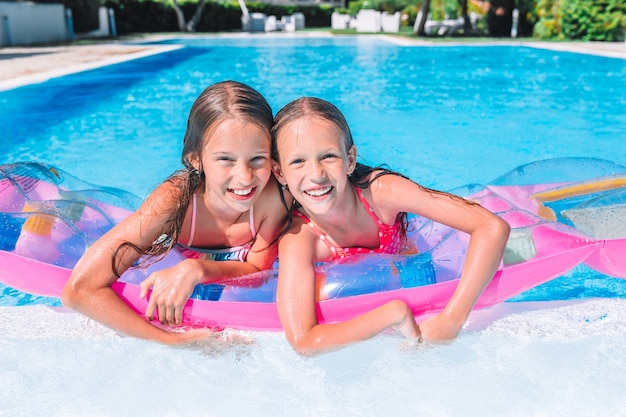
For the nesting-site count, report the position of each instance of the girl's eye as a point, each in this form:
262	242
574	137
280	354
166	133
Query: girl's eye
329	156
297	161
258	160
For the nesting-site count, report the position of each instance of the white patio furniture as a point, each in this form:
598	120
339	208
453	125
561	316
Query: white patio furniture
339	21
257	22
298	19
289	23
390	22
368	20
270	24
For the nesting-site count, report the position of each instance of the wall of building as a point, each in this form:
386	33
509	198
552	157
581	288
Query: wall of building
26	23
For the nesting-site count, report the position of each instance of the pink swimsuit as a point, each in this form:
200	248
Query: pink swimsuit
389	236
237	253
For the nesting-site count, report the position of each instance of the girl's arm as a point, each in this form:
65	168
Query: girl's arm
295	298
88	289
488	237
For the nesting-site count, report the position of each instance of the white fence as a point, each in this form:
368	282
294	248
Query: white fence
27	23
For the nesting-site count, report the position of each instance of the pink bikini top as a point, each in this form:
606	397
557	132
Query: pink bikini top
236	253
389	236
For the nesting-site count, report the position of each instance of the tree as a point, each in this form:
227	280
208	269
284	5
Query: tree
467	25
422	16
190	26
420	21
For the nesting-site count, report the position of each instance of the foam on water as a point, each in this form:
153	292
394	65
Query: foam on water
516	359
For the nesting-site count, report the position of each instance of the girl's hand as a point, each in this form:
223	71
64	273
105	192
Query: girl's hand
171	288
409	328
441	328
406	324
188	336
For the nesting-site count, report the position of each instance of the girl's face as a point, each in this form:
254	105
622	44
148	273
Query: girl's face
236	163
314	162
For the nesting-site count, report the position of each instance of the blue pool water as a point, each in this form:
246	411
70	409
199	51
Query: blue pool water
445	116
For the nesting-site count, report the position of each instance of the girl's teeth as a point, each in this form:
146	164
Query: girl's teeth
319	193
242	192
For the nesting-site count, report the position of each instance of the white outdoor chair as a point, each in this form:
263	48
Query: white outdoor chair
368	20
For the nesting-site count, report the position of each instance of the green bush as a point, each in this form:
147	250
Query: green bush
216	17
590	20
389	6
84	13
546	16
594	20
442	9
500	18
220	17
527	18
355	6
411	14
133	16
158	16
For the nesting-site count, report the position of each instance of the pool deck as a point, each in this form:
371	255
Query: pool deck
27	65
30	65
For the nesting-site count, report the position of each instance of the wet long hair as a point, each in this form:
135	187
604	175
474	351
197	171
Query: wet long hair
363	175
220	101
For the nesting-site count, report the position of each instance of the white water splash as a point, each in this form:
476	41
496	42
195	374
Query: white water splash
515	359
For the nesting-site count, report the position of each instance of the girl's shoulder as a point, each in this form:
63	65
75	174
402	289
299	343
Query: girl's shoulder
164	198
388	184
301	241
390	194
273	198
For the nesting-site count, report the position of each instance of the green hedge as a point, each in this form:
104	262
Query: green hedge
589	20
500	18
84	13
527	18
132	16
593	20
151	16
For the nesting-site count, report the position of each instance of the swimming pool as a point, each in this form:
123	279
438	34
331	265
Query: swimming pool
445	116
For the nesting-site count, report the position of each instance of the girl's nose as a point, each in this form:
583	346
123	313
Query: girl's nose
316	170
244	173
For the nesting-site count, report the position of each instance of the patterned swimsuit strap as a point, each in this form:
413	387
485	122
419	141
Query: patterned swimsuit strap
192	230
368	208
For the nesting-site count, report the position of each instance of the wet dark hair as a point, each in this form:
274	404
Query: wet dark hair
363	175
220	101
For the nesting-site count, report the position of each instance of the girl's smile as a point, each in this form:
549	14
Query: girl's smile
243	194
319	192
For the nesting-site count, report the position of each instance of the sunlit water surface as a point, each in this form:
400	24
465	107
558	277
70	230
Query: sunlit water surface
445	116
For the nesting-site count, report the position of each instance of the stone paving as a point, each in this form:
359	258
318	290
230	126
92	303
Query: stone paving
26	65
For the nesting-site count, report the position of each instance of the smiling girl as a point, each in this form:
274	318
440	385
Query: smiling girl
224	209
347	208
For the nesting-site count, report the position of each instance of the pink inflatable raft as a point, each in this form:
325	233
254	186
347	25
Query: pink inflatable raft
562	212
